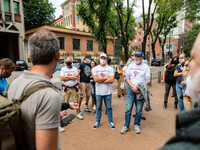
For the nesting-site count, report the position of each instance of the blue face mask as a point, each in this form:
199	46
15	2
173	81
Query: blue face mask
56	69
129	63
121	64
89	61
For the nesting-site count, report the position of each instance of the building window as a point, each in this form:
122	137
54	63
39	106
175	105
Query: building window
148	38
139	33
136	28
136	41
77	19
62	42
139	39
89	45
16	7
71	19
148	45
76	44
7	6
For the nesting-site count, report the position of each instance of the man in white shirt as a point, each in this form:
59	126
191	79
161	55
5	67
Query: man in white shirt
103	75
136	73
69	77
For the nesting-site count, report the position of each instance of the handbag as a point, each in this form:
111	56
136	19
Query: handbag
117	76
122	85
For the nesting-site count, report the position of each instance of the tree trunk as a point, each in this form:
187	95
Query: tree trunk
163	54
126	52
144	46
153	50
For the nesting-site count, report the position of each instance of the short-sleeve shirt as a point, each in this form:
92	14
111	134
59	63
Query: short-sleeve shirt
101	88
41	110
179	68
138	73
3	85
85	72
69	72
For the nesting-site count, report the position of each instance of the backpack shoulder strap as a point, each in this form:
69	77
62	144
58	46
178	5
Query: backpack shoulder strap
35	88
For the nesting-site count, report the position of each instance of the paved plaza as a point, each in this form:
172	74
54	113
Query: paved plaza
158	127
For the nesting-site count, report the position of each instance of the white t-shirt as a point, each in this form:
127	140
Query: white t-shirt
138	73
125	68
69	72
101	88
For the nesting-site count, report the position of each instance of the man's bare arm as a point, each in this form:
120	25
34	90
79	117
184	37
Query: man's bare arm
47	139
109	80
98	79
176	74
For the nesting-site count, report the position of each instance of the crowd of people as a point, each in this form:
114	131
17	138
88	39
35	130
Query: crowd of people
42	112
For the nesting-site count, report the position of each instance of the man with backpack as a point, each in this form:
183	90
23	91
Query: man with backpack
40	111
170	81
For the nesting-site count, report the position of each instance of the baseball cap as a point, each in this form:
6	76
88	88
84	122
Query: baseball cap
140	54
103	55
87	56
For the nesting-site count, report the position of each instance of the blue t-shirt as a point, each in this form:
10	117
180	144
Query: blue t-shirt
179	79
3	85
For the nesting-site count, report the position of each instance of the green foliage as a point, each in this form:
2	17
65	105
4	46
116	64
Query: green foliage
192	8
121	22
95	15
165	21
190	38
38	13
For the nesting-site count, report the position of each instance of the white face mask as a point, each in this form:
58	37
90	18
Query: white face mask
102	61
133	57
137	62
193	85
181	61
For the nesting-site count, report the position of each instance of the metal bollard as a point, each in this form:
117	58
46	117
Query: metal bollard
151	79
159	76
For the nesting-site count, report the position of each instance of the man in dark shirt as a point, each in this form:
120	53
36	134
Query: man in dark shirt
84	70
178	74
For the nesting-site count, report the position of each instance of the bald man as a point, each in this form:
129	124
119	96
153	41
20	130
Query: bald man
188	122
69	77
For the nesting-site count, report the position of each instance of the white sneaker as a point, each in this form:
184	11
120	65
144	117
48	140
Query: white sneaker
79	116
60	129
137	129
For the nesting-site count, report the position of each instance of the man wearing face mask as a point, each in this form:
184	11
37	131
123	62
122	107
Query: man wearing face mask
69	76
6	68
136	73
103	75
84	70
188	122
179	78
41	110
133	55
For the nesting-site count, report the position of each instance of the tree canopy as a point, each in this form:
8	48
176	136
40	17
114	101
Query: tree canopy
190	38
38	13
192	8
95	15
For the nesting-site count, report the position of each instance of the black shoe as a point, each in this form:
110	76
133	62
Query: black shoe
165	105
87	109
175	106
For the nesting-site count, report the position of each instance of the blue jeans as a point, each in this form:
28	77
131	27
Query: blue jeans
93	92
99	100
131	99
179	94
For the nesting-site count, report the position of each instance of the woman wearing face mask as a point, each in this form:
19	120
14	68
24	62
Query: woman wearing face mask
130	60
6	68
121	92
170	81
93	64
